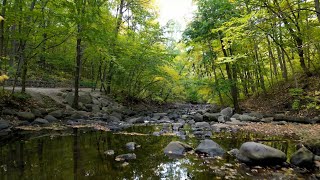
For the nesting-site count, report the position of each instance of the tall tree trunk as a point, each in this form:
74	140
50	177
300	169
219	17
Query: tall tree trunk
77	71
301	56
294	33
80	9
3	13
317	7
116	32
259	69
272	58
216	81
284	64
232	79
243	79
44	36
24	45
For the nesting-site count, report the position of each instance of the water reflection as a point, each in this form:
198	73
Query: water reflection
173	170
81	155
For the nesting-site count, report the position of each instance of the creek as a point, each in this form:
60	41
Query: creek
80	154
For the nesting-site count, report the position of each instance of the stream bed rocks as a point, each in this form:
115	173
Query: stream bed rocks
176	149
183	121
209	148
259	154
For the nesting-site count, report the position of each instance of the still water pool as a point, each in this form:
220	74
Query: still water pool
79	154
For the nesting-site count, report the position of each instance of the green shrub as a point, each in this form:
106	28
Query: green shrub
296	104
21	96
297	94
87	84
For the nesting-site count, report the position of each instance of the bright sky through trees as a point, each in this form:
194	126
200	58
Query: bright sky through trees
178	10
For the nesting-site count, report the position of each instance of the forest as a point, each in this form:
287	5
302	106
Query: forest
229	51
105	89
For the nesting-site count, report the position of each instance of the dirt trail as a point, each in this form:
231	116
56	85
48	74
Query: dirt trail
37	93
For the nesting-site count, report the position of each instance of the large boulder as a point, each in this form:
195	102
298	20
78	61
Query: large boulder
50	118
113	119
84	98
136	120
176	149
131	146
57	113
4	124
220	127
256	114
40	121
117	114
246	117
209	148
260	154
26	116
228	112
95	108
202	126
79	115
213	109
36	112
223	119
159	115
177	126
198	117
7	111
303	158
164	119
211	117
126	157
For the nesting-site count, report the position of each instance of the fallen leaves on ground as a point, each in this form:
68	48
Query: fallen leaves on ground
304	132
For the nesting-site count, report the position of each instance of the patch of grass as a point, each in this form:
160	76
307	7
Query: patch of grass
18	96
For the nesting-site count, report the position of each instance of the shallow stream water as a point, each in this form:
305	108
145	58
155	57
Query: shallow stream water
79	154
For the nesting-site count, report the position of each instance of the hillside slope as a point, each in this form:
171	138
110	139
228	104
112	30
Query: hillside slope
286	97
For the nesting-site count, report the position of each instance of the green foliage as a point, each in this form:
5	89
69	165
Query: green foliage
296	104
296	92
21	97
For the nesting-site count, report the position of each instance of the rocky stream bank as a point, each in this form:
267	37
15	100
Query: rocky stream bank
183	121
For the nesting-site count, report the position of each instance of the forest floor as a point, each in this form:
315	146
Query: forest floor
280	98
277	100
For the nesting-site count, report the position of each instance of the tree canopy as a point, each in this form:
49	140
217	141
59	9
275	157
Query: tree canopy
230	49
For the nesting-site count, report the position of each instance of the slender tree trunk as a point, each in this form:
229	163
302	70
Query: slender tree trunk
301	56
2	48
294	33
232	79
215	75
284	64
23	47
99	74
111	64
77	72
243	80
109	77
259	69
44	36
272	58
80	9
317	7
24	70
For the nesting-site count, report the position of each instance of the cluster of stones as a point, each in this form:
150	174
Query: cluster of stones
250	153
125	158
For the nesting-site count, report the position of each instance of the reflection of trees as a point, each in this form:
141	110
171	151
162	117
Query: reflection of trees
40	155
21	159
76	153
60	158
